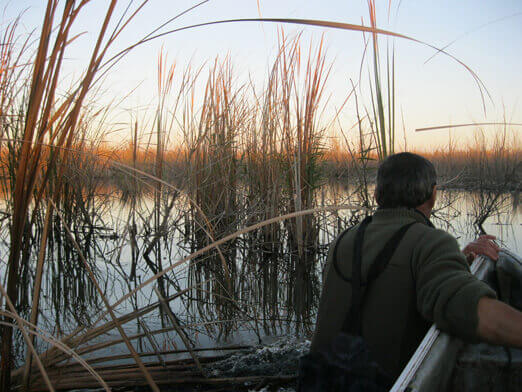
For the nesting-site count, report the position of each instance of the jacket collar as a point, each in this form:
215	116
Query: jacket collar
389	215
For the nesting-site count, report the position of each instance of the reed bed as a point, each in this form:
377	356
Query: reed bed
340	159
214	220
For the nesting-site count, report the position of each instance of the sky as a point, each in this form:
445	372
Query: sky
437	92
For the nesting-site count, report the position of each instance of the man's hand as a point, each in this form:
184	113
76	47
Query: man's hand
484	245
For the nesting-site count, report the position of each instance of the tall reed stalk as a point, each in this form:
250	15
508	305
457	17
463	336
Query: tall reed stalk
303	150
46	119
263	162
215	187
383	119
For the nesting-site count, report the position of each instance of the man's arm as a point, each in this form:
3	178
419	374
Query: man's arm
499	323
447	293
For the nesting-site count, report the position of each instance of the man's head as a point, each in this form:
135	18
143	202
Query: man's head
405	180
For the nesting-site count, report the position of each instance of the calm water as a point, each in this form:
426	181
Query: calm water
257	295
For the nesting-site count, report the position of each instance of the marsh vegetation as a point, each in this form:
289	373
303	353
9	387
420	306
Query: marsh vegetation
209	226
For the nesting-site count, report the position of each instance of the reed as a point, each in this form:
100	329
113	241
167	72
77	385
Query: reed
228	204
263	167
484	163
382	91
214	188
43	118
302	149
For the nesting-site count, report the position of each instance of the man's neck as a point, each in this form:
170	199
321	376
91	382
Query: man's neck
425	210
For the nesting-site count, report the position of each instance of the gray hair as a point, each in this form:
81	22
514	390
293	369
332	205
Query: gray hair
405	180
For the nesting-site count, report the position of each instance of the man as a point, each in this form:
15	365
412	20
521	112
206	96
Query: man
427	279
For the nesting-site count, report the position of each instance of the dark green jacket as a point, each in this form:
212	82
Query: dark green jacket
427	280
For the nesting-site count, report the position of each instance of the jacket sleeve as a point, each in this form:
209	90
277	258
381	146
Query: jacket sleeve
447	292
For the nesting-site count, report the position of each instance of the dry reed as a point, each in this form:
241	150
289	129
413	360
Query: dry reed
246	205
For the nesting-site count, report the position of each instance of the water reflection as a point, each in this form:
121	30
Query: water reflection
265	282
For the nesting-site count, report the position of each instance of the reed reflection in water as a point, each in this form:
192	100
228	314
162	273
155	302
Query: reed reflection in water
259	299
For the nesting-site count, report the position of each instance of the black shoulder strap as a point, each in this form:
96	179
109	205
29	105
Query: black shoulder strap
354	312
352	322
335	261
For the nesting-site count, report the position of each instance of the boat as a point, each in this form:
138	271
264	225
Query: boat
445	363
